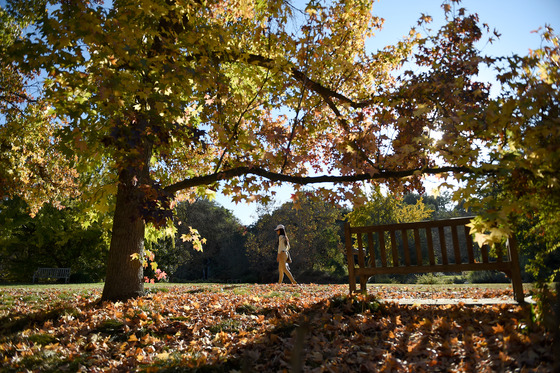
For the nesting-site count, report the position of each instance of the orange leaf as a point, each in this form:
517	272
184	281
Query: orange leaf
498	329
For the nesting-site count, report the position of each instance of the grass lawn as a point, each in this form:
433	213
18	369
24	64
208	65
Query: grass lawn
266	327
99	285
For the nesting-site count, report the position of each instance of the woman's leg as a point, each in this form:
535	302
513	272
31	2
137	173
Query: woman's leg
283	269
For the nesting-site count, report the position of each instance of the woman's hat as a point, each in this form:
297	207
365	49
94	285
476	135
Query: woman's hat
278	227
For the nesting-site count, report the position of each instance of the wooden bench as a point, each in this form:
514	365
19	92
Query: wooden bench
52	273
430	246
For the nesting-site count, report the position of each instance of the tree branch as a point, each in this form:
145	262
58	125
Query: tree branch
327	92
270	63
304	180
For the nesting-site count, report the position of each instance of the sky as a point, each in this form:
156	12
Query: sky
513	19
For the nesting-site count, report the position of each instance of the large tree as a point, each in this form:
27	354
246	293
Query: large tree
157	100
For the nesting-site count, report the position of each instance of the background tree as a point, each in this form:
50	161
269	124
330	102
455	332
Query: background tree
314	228
52	238
441	205
261	251
222	257
163	100
388	209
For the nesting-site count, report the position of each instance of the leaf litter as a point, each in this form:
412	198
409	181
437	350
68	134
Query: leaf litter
312	328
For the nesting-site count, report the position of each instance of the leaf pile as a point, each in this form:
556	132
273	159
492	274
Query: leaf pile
263	328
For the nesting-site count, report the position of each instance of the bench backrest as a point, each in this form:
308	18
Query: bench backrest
53	272
429	246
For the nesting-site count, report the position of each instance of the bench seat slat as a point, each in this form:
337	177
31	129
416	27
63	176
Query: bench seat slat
484	251
430	240
456	248
392	233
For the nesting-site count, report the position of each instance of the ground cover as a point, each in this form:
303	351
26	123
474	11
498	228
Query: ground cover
268	328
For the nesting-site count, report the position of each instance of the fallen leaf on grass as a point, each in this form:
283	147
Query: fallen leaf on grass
201	326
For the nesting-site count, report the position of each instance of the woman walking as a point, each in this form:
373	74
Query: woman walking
282	258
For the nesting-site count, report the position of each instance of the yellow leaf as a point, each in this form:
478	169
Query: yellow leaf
480	239
163	356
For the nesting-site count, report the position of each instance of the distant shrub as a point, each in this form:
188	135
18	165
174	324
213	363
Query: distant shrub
433	279
487	277
439	279
392	279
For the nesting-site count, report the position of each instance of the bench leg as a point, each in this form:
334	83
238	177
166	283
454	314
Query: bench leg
363	284
517	284
515	274
518	288
352	283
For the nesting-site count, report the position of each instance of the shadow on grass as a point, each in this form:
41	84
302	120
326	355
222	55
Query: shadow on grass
341	333
353	334
11	324
281	348
17	322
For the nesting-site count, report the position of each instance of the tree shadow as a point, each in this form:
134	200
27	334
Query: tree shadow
342	333
353	334
16	322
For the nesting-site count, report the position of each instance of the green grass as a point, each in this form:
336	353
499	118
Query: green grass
43	339
227	325
67	291
111	326
247	309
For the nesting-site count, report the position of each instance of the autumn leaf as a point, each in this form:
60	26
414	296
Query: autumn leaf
210	323
498	329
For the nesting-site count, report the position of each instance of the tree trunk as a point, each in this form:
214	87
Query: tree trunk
124	279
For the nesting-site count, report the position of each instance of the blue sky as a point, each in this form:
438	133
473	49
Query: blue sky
513	19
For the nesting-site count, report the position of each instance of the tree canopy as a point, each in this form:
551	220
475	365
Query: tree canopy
143	103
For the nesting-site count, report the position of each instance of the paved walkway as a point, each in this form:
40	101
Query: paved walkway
465	301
